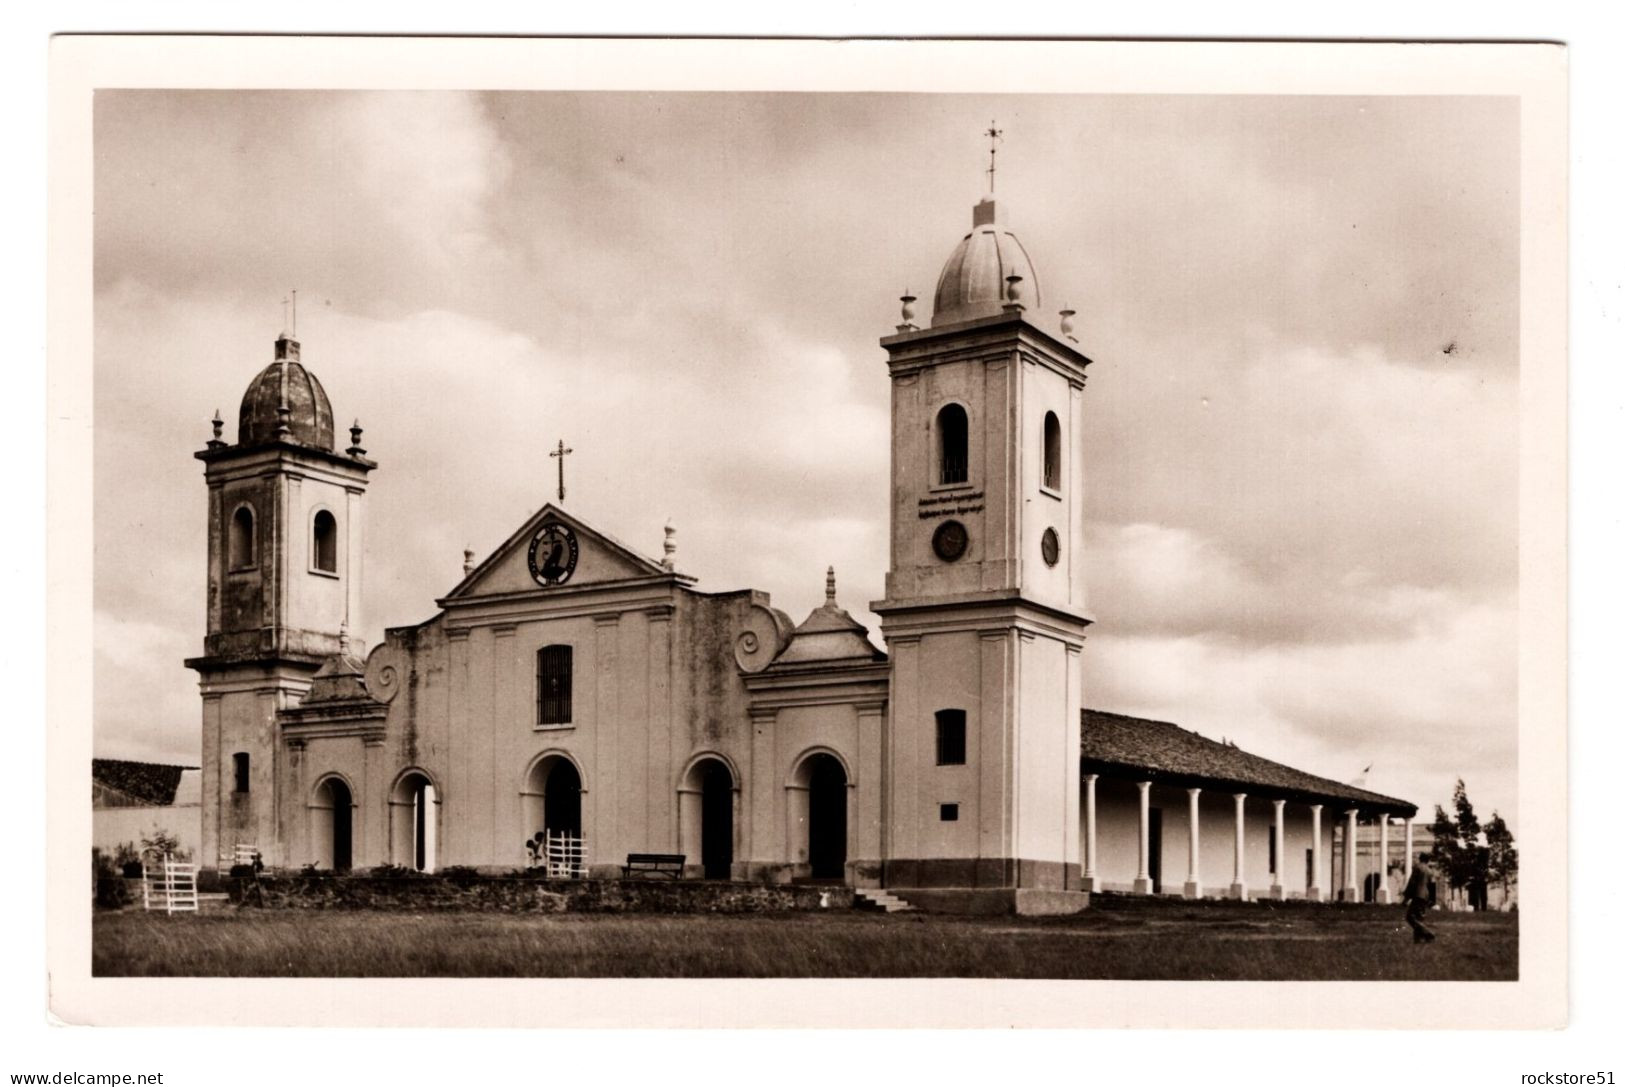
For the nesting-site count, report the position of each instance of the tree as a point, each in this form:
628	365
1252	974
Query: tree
1503	855
1466	852
1452	853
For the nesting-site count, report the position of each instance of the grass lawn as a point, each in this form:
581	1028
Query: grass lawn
1161	940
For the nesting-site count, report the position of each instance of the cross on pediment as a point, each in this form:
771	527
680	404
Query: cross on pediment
561	452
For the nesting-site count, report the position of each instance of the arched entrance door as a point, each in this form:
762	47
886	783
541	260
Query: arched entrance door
552	813
826	817
413	824
562	798
330	825
716	819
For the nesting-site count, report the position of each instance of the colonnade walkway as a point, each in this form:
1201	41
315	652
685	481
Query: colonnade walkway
1120	753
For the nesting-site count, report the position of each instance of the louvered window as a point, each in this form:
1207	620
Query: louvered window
553	685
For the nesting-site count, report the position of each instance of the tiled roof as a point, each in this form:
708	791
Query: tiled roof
1162	751
153	782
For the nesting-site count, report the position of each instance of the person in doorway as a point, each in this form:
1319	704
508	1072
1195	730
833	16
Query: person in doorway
1416	900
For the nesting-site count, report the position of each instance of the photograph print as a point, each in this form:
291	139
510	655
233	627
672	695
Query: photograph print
778	534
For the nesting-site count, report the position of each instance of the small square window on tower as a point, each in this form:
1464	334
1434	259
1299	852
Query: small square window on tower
950	813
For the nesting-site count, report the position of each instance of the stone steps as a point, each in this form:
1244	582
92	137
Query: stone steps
873	898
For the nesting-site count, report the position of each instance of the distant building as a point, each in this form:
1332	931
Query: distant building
134	800
1490	896
570	687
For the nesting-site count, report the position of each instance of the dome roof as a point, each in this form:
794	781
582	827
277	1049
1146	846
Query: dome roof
310	414
828	634
973	281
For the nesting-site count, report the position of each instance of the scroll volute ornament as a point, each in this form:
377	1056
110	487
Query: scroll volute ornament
386	672
760	638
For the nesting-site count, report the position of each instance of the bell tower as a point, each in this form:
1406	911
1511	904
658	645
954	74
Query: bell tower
984	613
284	589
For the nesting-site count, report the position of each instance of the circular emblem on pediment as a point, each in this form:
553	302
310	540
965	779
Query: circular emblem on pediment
553	554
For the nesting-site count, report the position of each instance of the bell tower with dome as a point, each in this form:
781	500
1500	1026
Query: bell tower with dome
284	589
984	614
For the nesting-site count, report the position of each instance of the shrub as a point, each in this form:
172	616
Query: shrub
111	890
161	841
393	871
460	876
127	858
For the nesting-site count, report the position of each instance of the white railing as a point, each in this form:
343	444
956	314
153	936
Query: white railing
566	856
169	885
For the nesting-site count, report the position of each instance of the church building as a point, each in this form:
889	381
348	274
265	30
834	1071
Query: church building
572	700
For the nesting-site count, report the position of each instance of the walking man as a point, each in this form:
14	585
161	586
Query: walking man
1416	901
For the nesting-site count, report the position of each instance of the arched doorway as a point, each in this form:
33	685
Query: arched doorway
716	819
414	825
562	808
705	817
330	825
826	816
551	803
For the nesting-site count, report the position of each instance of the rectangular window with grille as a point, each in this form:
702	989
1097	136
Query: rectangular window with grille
553	685
950	737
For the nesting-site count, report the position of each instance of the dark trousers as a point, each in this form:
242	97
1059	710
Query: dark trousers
1414	912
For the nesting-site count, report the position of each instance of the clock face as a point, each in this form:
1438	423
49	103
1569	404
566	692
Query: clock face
553	554
1050	545
950	541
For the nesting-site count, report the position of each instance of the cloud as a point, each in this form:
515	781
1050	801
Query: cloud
379	200
1430	705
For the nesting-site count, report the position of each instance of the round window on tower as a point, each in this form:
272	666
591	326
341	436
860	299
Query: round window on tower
950	541
1050	545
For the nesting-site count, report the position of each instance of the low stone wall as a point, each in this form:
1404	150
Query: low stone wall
520	894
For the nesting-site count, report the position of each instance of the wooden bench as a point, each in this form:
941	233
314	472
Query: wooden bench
653	864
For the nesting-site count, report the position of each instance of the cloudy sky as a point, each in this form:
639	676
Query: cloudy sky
1303	440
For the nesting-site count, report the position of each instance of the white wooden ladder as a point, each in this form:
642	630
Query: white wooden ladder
169	885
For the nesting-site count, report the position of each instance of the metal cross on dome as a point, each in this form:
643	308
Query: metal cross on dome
994	134
561	453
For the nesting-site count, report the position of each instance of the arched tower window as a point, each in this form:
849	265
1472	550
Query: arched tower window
953	444
241	546
553	665
325	542
1052	451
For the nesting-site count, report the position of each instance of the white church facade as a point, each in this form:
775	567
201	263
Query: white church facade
572	689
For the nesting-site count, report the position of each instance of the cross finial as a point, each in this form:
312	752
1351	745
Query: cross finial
994	134
561	452
293	318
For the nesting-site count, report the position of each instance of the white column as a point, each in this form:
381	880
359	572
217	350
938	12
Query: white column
1193	879
1383	894
1142	880
1314	853
1409	848
1238	886
1351	857
1277	881
1091	878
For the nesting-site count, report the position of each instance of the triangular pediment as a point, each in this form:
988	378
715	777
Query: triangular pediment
598	559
